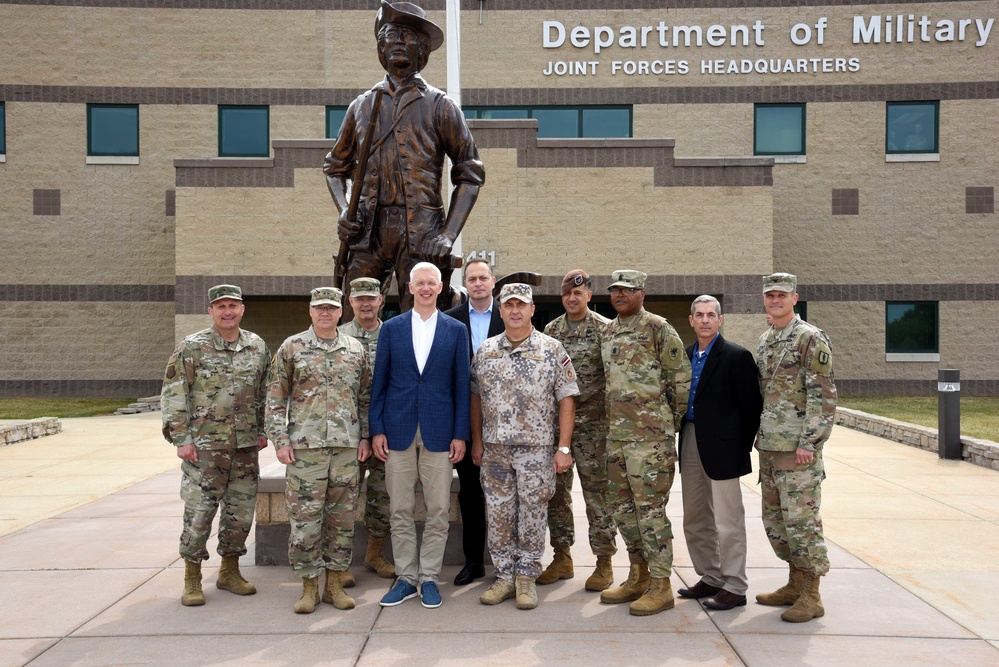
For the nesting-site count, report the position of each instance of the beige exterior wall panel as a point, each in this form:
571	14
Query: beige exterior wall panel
139	349
718	130
744	330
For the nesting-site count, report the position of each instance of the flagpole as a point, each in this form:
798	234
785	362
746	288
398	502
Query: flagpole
453	32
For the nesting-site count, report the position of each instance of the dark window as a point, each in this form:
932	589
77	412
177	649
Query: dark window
779	129
3	128
801	310
112	129
334	119
565	121
912	327
913	127
244	131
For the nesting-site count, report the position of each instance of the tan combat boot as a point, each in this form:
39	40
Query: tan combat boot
347	579
193	595
658	598
809	605
527	594
374	558
231	579
561	568
498	592
310	596
786	594
333	593
602	577
633	587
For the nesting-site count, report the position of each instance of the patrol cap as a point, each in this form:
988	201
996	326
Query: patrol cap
780	282
224	292
326	295
628	278
516	291
575	278
408	14
365	287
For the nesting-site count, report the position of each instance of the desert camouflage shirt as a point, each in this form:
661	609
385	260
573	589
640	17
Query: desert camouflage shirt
583	346
648	378
799	394
520	388
318	392
213	391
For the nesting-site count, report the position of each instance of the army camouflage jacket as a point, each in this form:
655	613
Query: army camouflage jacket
368	339
583	346
799	394
318	393
520	388
648	378
213	391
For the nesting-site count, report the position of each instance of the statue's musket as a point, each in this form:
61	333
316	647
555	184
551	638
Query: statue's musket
340	260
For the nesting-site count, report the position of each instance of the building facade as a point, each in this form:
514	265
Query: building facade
152	148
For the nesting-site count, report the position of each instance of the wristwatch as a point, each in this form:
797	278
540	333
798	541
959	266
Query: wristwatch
564	450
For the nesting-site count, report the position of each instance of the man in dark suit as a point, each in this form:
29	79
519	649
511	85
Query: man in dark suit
482	321
725	403
419	421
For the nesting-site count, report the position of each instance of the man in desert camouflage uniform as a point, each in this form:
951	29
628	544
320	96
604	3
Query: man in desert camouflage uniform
213	413
579	331
648	380
522	380
366	302
799	404
317	417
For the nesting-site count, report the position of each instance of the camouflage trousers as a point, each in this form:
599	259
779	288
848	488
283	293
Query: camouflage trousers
376	499
517	481
226	477
792	494
589	453
322	496
639	478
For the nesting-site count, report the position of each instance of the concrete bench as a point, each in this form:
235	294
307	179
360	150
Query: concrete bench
272	527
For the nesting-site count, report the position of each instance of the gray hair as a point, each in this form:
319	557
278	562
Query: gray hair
425	266
706	298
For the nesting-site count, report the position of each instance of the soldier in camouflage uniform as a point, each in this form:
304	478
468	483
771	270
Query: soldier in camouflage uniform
521	380
366	301
213	413
579	331
317	417
648	380
799	404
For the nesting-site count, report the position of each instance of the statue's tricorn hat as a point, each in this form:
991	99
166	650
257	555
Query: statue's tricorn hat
408	14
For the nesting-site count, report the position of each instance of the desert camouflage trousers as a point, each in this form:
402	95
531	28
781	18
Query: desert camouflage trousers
322	496
589	453
792	494
517	481
639	479
376	498
226	477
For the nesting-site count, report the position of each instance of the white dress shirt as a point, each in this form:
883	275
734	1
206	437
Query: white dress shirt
423	337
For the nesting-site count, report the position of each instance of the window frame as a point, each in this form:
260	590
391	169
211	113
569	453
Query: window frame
581	109
895	353
3	130
781	105
222	108
331	132
99	155
935	149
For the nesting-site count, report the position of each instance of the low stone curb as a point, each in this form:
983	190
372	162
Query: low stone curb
29	430
973	450
150	404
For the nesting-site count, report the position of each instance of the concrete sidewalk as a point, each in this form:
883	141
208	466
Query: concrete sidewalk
912	543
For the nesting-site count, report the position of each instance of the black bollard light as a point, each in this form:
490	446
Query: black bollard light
949	413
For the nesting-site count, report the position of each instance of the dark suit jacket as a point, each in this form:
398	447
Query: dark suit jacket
438	400
727	407
496	326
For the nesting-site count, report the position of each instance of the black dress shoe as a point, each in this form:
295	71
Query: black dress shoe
723	601
698	591
469	573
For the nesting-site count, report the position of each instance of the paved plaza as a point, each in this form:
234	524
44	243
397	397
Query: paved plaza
89	574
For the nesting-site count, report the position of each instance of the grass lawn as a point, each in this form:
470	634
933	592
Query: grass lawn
30	408
979	415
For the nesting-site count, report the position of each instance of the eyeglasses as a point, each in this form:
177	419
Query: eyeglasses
626	291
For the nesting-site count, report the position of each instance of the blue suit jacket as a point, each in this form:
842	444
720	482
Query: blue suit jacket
438	400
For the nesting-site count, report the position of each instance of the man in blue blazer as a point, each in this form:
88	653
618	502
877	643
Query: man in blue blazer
419	421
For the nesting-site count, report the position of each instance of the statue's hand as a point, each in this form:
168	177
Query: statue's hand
347	229
435	249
